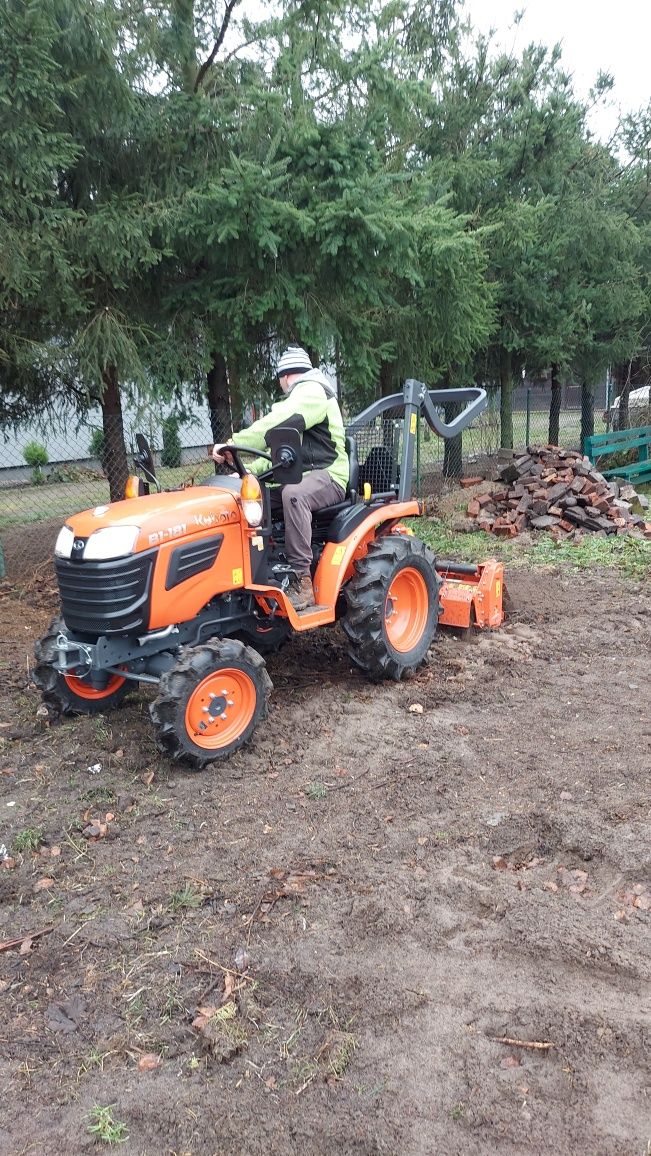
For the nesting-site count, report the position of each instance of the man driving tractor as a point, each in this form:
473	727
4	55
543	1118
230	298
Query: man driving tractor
309	406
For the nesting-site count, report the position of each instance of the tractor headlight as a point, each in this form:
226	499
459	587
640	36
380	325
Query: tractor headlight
251	497
63	547
252	512
111	542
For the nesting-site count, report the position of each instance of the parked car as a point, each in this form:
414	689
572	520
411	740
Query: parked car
639	408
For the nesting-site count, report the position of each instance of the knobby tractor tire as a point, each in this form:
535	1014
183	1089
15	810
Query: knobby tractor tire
393	607
69	693
211	701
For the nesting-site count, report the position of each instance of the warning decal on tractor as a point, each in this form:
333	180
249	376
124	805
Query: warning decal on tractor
237	578
337	557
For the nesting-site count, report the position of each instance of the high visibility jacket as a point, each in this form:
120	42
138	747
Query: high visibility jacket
311	407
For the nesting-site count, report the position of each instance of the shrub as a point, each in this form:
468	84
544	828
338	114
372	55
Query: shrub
96	444
97	447
36	456
171	455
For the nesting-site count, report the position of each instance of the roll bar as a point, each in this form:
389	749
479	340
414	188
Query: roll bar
417	400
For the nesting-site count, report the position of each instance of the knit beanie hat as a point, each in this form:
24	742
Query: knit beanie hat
293	360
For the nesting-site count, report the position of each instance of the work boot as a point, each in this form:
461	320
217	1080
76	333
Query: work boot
302	596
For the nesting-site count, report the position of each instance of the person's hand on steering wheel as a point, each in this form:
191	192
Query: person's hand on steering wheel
228	453
220	454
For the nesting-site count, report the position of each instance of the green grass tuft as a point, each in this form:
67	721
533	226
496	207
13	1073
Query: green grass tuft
104	1127
29	839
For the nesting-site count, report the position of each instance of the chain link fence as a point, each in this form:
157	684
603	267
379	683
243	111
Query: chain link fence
50	470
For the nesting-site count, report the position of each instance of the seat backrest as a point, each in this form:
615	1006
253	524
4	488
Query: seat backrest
379	470
353	480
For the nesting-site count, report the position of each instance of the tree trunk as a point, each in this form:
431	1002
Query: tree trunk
624	421
387	386
452	447
235	392
506	400
555	409
587	412
339	384
115	454
219	402
182	24
387	382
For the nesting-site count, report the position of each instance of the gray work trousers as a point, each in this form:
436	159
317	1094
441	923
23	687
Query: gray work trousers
316	490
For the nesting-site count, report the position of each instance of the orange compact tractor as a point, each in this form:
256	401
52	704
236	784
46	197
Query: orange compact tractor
186	589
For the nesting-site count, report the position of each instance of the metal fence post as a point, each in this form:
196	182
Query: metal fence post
528	424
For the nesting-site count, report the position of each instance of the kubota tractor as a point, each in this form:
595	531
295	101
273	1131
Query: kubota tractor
186	589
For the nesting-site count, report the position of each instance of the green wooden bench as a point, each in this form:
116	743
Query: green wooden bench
620	441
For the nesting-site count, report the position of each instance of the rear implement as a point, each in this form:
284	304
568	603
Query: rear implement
471	595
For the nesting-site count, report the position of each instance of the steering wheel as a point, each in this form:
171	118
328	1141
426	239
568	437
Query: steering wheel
235	451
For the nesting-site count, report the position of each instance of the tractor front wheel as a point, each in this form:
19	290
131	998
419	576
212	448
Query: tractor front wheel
211	701
73	692
393	607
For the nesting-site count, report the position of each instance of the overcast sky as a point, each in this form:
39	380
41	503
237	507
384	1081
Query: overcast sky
595	36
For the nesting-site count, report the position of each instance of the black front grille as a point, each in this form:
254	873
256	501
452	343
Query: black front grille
106	597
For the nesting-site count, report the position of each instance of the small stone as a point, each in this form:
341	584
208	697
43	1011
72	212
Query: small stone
566	796
495	818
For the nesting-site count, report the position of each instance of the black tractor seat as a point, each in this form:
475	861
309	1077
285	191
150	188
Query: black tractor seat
323	517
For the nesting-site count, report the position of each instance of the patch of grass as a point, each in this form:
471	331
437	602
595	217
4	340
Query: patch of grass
304	1071
104	1127
172	1007
102	796
233	1032
94	1059
316	791
458	1110
342	1054
102	732
627	554
136	1008
29	839
183	898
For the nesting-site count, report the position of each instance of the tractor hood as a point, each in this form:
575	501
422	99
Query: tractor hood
137	524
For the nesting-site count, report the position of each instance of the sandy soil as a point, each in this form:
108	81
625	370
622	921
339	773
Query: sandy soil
372	898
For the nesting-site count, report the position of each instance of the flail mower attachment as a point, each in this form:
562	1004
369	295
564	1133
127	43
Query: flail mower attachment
471	595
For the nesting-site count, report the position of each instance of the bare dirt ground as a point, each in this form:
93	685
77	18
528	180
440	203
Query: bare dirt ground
372	898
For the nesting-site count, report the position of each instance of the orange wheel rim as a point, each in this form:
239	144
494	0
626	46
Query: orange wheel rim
406	610
83	688
220	708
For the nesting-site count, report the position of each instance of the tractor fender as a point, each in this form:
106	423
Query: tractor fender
336	564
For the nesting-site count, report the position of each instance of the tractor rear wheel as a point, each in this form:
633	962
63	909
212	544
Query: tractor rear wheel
393	607
211	701
73	692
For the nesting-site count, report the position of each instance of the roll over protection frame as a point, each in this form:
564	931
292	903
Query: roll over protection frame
417	400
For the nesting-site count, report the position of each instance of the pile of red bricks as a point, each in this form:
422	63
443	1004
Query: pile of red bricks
556	490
